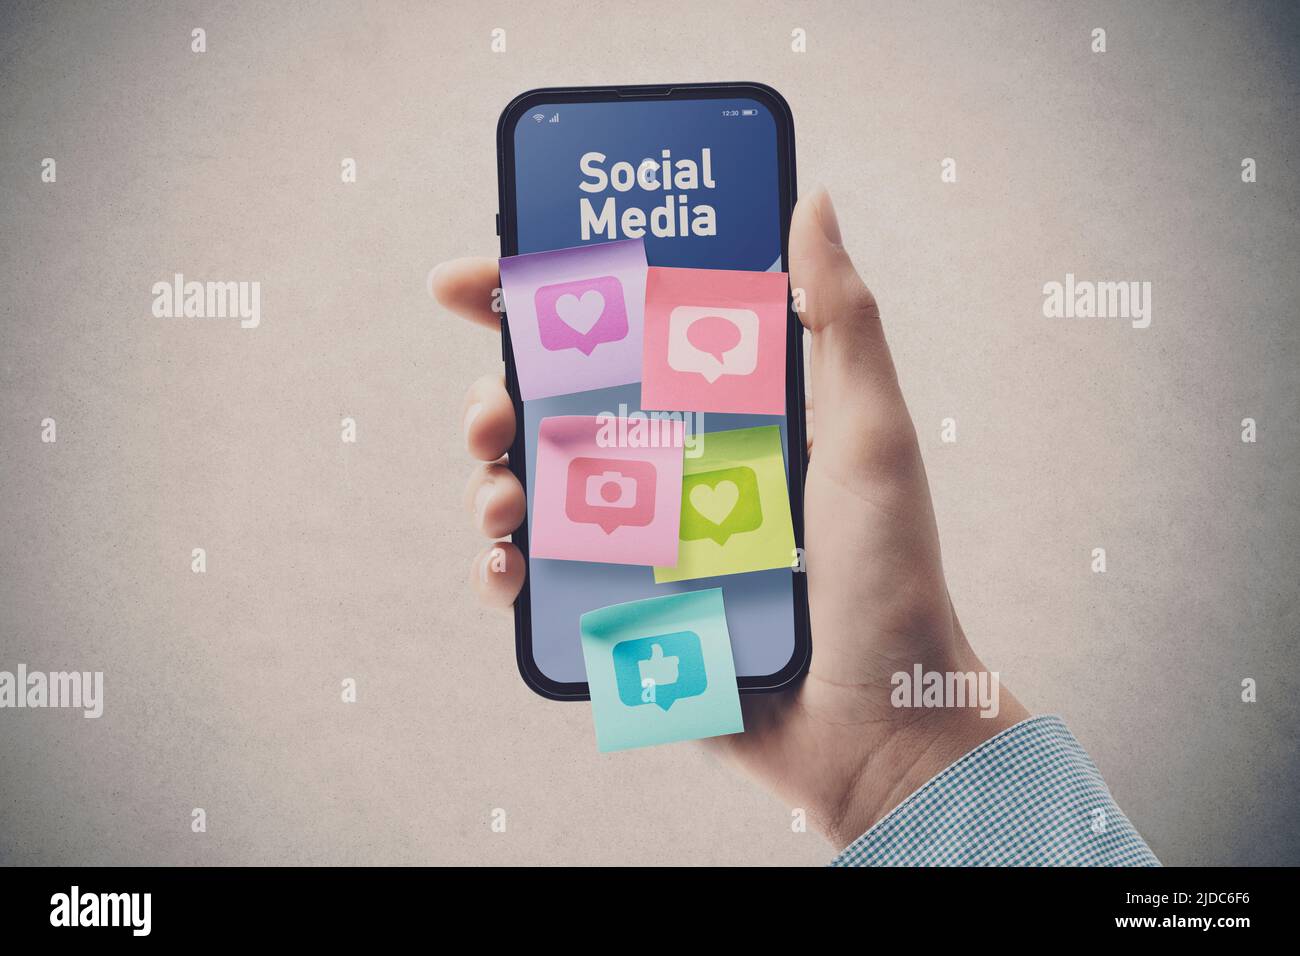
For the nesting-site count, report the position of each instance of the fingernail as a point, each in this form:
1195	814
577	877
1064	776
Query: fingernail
830	223
430	278
470	414
484	568
481	499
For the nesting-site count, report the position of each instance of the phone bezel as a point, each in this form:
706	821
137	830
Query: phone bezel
796	424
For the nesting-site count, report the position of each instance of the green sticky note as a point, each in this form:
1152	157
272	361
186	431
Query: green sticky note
661	670
735	507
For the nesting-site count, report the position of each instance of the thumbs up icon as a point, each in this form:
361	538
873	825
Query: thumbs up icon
658	669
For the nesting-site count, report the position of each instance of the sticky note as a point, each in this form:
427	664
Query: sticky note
598	498
735	507
576	316
714	341
661	670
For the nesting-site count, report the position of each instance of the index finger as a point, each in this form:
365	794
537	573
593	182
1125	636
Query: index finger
468	287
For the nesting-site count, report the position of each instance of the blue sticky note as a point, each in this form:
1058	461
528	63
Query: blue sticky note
661	670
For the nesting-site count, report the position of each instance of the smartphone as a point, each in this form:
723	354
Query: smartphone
555	149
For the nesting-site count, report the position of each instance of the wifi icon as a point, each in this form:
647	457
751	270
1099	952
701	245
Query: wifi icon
538	117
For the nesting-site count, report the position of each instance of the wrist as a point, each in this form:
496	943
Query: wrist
912	750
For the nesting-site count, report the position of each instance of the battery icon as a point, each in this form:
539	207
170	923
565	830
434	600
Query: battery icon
749	112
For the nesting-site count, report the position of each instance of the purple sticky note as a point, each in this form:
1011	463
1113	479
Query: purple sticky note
576	317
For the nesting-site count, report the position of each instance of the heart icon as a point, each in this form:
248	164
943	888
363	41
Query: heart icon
716	503
580	314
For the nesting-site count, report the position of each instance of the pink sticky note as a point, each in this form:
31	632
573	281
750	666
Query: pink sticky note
576	316
714	341
607	492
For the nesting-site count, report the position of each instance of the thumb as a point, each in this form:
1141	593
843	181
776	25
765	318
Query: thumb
862	421
656	652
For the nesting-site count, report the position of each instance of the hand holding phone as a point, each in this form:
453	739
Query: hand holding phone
834	745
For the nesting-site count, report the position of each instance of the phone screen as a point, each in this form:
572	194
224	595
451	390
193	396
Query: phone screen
567	193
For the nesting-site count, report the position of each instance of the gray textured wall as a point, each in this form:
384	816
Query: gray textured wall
328	560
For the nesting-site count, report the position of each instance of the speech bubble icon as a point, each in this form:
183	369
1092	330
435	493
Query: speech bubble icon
712	341
660	670
714	335
581	314
610	492
718	504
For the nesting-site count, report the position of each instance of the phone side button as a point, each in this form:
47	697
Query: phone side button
498	224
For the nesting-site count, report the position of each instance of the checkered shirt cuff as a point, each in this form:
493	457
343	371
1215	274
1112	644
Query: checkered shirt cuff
1028	797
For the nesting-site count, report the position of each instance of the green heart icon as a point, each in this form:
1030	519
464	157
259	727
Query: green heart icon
718	504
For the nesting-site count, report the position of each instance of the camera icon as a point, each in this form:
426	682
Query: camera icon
611	489
610	492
